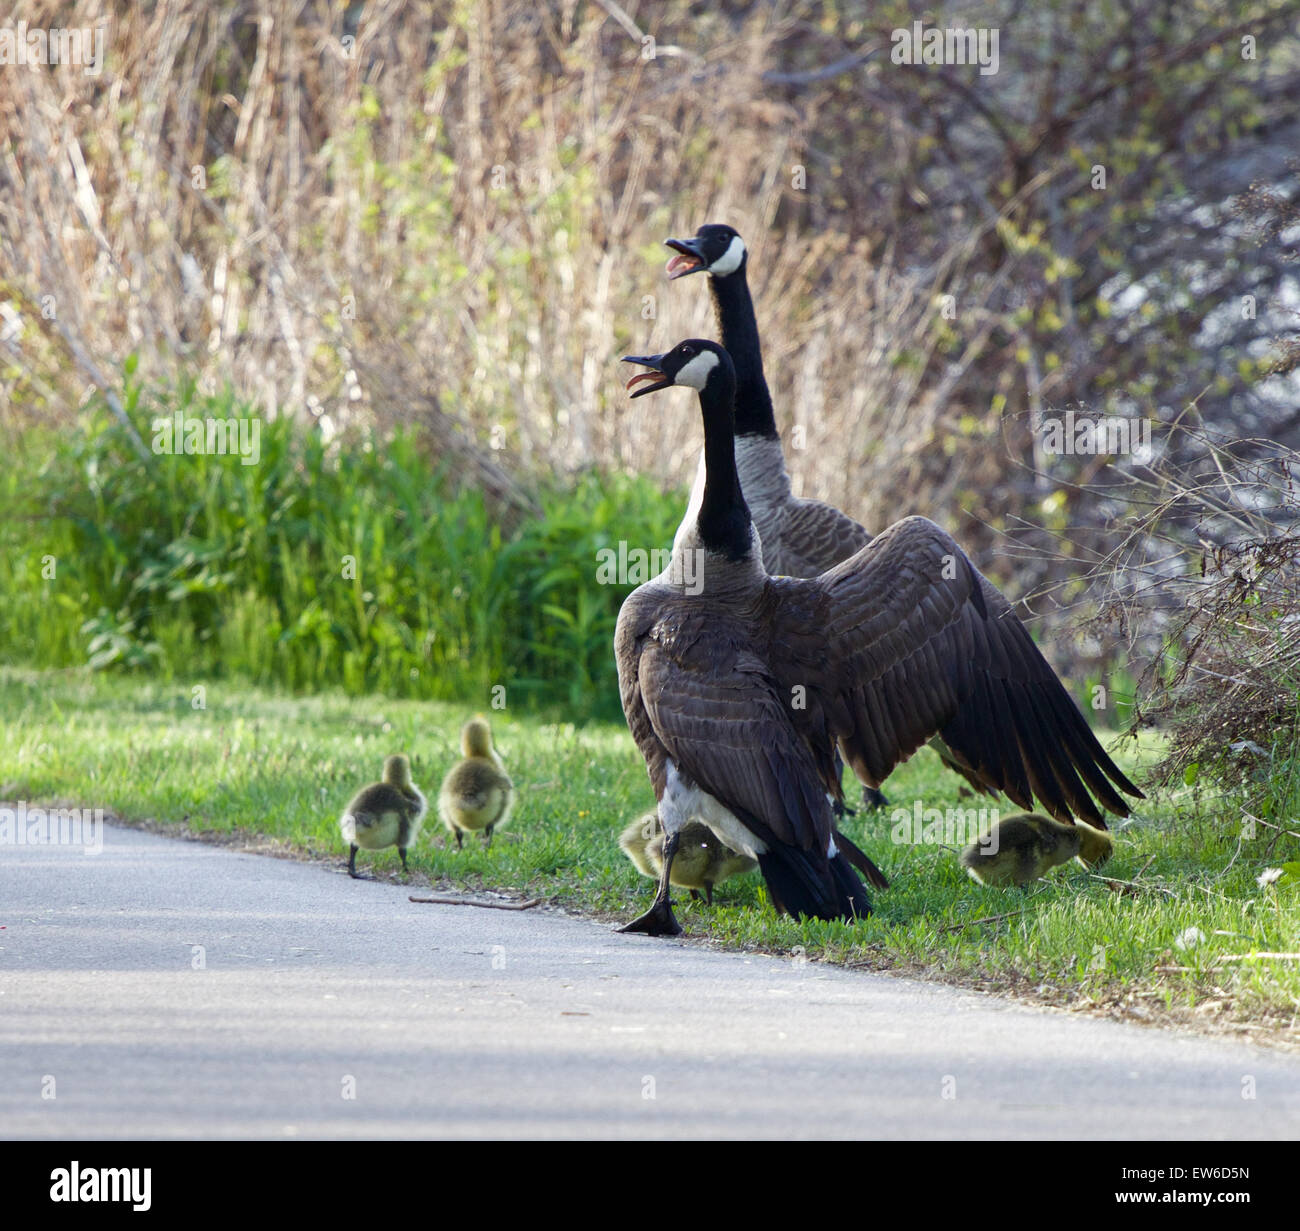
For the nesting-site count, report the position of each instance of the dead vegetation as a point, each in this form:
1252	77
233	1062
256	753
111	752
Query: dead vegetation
1201	585
450	215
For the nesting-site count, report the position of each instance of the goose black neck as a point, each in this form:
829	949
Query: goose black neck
723	523
739	329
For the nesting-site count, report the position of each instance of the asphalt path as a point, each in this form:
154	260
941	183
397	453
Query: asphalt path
165	988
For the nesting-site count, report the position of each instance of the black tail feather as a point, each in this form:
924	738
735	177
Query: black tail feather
860	860
854	902
794	886
797	889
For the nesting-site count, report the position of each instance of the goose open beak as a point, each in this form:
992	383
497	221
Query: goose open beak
687	261
656	374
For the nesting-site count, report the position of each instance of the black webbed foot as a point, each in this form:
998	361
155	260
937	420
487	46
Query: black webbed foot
659	920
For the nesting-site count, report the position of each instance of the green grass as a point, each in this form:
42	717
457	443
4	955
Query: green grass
258	762
358	564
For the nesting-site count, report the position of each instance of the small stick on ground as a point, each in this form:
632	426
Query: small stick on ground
957	927
1250	957
1112	881
485	905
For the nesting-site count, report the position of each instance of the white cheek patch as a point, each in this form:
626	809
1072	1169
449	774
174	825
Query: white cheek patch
730	260
696	373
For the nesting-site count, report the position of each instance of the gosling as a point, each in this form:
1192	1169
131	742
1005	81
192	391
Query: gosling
1095	845
476	794
1026	845
701	860
383	814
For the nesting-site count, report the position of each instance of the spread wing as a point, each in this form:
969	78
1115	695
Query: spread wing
815	537
917	642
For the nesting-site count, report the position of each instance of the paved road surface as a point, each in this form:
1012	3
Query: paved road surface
455	1022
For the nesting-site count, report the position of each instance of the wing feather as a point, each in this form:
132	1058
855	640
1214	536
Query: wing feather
693	690
816	537
731	734
915	642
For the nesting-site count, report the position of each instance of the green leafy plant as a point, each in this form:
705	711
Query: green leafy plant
356	564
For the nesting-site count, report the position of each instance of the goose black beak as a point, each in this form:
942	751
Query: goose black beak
687	261
647	361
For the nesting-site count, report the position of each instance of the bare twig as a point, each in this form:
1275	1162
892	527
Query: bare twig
620	15
957	927
92	370
1259	820
806	77
485	905
1112	880
1250	957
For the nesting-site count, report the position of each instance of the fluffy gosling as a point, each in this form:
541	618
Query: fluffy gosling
386	813
1026	845
477	793
701	860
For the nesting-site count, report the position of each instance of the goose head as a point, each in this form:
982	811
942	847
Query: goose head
701	365
715	249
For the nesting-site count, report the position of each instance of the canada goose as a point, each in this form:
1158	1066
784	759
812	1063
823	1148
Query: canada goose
383	814
800	538
1025	846
701	861
738	687
476	794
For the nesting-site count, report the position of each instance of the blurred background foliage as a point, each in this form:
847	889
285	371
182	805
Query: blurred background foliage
413	239
359	564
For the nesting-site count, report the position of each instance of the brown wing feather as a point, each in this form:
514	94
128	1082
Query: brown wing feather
916	642
693	691
816	537
638	615
719	718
